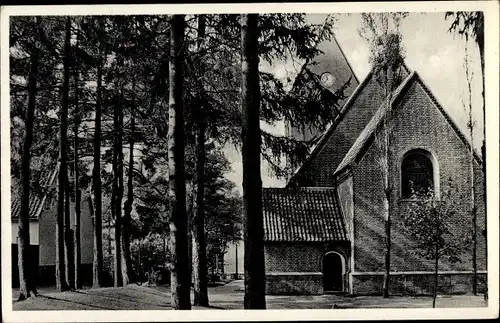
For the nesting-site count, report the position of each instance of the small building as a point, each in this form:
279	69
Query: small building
325	232
43	211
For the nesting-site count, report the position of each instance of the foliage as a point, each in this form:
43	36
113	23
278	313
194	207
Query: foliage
135	74
428	222
467	23
150	257
381	31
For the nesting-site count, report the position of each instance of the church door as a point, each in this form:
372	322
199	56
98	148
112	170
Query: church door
333	272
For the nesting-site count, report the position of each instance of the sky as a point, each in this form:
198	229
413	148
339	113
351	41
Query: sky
437	55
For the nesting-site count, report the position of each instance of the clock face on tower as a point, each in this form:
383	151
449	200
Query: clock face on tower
327	79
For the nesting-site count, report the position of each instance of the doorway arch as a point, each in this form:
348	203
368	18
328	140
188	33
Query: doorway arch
333	272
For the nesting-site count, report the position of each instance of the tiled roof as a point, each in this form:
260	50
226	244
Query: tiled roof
364	139
303	214
37	201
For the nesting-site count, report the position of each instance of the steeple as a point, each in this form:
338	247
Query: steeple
333	70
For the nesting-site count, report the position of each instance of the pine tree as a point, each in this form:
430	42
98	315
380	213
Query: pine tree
61	237
76	167
96	175
127	273
252	183
27	282
118	185
180	276
199	244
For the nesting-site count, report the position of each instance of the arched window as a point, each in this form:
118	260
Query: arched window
417	175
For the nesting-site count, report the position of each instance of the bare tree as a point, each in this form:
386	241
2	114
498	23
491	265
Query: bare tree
471	24
381	30
180	280
470	126
252	184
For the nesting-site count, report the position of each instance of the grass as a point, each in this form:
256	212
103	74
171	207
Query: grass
229	296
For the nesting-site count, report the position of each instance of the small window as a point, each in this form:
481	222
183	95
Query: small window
417	175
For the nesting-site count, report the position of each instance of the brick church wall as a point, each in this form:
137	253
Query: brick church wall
417	124
297	268
320	171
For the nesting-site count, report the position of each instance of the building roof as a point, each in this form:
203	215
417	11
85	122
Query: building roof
333	60
37	201
302	215
365	138
316	149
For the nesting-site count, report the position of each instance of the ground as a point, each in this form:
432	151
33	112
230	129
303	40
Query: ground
228	296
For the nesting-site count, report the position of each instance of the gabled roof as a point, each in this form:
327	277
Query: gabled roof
36	202
365	139
316	149
302	215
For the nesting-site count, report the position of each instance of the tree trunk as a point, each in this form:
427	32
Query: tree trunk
436	267
118	189
252	183
236	261
480	43
199	244
78	196
98	262
387	187
387	247
127	273
69	248
180	275
61	233
27	280
473	197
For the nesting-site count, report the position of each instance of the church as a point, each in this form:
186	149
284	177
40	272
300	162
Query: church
325	231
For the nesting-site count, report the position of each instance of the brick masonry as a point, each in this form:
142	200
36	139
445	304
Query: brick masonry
297	268
289	283
417	123
417	284
319	172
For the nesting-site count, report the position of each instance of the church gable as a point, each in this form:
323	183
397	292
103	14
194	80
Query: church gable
319	169
418	123
413	106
